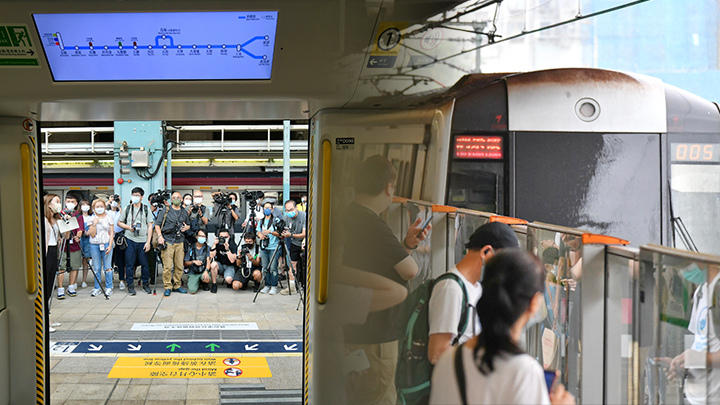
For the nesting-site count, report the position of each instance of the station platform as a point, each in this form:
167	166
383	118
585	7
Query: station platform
147	349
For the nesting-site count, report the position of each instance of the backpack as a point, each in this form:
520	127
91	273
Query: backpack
413	372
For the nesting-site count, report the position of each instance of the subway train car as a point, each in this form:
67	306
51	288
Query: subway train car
607	152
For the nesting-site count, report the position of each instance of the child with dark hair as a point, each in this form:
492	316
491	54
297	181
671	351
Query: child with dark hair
494	369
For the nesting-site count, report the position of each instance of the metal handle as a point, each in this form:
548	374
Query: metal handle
322	284
27	191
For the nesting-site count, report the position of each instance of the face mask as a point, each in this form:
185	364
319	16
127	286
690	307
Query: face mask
177	202
197	200
57	207
85	208
135	199
233	202
201	240
100	210
113	204
70	206
303	201
291	214
267	211
693	274
535	319
188	202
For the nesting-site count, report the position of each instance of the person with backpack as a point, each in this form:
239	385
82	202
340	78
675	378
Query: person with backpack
137	221
492	368
440	313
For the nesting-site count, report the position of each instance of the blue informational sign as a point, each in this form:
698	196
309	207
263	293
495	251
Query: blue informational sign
159	46
176	347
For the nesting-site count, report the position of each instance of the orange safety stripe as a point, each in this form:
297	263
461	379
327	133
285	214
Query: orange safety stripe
400	200
508	220
443	208
593	239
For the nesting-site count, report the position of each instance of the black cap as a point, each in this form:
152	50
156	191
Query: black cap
495	234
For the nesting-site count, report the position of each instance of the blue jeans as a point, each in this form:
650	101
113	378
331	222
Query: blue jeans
102	261
135	252
271	277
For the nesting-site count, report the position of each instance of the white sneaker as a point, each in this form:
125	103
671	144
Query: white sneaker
108	291
51	329
84	285
273	291
55	324
122	285
95	292
286	291
61	293
265	290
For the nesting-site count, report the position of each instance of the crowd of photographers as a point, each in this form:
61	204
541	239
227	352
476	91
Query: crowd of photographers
105	237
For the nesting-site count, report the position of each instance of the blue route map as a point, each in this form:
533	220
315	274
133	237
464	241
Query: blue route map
159	46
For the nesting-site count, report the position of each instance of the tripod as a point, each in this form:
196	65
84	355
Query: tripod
92	270
283	251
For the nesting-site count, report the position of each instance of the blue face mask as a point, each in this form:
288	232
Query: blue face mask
201	240
693	274
291	214
135	199
267	211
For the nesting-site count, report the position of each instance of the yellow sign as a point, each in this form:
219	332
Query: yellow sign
388	39
190	367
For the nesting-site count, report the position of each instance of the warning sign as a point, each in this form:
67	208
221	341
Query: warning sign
387	45
190	367
16	48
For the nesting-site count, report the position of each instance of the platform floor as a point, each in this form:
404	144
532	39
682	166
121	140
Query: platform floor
82	378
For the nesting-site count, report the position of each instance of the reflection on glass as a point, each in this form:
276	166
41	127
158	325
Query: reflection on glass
687	348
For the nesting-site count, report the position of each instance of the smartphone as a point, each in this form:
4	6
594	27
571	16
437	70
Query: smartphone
550	377
424	226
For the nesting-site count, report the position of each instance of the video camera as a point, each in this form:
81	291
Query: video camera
252	196
222	198
158	198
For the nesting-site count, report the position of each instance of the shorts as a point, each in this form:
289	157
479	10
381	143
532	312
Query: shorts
239	276
295	252
75	261
194	280
226	270
85	246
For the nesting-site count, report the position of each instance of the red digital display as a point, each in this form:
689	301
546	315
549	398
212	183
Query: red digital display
478	147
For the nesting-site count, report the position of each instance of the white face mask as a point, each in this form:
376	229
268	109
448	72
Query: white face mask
113	204
197	200
85	208
56	207
188	202
70	206
100	210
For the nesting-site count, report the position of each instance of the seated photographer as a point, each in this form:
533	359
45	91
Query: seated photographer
224	256
197	260
248	261
226	211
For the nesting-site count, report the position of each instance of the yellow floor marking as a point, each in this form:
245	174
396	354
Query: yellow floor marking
227	366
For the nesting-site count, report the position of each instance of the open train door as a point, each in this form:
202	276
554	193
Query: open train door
22	309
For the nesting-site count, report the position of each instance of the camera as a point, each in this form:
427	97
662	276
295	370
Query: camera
244	251
158	198
221	243
252	196
194	209
136	229
280	225
222	198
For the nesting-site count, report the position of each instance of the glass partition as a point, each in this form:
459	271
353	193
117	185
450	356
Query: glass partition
622	273
683	349
555	340
465	225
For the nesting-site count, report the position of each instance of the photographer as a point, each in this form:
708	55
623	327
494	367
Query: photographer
173	222
197	260
138	239
73	263
269	237
248	262
223	253
295	230
226	211
254	203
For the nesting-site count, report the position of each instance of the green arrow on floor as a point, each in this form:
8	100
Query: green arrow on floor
173	346
212	347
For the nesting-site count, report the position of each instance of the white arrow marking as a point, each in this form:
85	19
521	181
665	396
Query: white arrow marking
133	348
253	347
94	348
373	62
291	347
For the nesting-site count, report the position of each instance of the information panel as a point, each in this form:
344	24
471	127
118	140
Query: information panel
159	46
695	152
478	147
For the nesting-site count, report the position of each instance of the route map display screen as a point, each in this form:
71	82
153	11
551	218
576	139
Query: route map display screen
478	147
159	46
